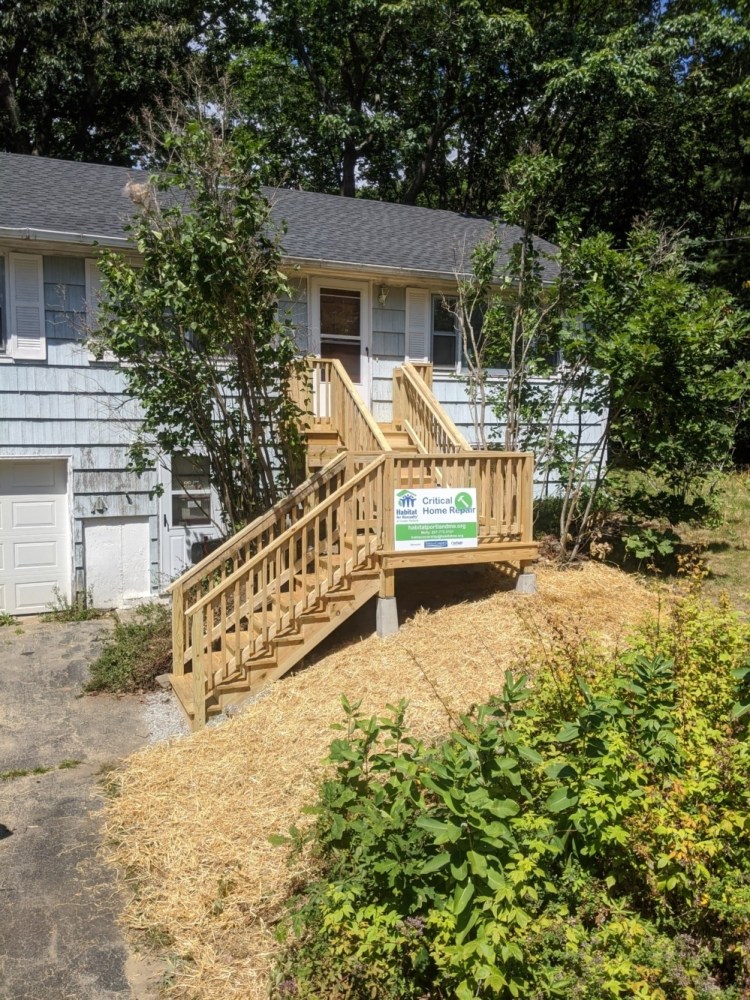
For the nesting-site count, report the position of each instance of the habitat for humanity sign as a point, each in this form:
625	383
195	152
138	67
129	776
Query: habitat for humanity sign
436	519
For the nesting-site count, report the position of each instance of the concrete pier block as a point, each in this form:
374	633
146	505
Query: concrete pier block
526	583
386	617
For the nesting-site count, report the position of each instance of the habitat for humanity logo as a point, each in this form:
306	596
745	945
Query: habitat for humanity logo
406	499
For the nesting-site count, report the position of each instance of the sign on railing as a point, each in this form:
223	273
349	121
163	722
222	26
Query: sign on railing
435	519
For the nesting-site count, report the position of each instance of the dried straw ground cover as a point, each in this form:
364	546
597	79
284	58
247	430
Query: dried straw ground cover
190	826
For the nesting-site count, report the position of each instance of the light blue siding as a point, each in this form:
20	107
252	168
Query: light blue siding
74	408
294	310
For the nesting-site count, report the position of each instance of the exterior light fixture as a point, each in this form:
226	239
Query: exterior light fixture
383	296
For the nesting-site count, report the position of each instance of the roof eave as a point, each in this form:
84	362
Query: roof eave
383	270
58	236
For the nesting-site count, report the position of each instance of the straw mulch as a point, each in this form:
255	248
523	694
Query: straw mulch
189	831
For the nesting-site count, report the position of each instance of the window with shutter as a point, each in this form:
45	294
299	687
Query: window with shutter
28	341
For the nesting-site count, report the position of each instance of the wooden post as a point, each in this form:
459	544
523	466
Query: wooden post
199	671
527	499
178	631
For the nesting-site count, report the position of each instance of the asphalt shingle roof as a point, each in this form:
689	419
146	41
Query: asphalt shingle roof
88	200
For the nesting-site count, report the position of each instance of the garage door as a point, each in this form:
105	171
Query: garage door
34	535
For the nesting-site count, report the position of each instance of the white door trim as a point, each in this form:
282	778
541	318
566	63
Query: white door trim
365	323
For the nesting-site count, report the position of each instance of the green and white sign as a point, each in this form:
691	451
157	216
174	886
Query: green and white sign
435	519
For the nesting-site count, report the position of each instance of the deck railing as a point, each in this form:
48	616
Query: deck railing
267	595
417	410
504	482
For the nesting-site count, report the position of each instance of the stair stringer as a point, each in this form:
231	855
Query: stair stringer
363	587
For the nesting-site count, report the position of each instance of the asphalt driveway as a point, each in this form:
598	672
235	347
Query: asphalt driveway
59	938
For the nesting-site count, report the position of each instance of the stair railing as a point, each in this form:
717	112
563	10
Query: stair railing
265	596
417	410
209	573
336	403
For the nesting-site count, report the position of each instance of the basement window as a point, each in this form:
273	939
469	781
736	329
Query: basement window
191	491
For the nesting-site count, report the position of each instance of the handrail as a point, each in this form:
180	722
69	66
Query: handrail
233	546
287	535
416	404
267	595
336	401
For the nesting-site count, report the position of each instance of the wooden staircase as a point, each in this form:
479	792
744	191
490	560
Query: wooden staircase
259	604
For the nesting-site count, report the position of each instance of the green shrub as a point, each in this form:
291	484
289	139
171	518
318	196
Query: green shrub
587	837
137	652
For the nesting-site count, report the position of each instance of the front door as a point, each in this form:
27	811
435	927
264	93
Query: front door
343	329
188	514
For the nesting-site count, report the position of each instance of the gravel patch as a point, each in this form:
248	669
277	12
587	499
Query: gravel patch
163	716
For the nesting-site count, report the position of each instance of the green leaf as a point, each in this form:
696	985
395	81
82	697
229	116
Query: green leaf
436	862
560	800
462	897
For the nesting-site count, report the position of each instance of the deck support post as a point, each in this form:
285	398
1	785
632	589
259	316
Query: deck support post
526	580
386	615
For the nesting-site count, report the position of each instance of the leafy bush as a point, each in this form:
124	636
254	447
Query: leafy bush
138	651
587	837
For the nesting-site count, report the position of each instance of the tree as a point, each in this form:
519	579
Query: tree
367	95
195	322
624	362
74	76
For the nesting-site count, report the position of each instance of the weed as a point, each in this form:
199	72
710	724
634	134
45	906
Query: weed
584	836
23	773
6	619
81	609
64	765
137	652
19	631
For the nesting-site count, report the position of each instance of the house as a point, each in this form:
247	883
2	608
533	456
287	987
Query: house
369	280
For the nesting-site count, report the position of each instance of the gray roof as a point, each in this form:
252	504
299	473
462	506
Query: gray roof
86	202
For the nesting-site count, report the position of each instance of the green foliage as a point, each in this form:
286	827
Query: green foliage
624	362
196	322
137	652
586	837
75	76
648	543
6	619
80	609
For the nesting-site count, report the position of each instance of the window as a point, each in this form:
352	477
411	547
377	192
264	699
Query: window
444	333
191	491
340	328
42	298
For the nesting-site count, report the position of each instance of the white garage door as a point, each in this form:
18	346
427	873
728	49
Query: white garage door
34	535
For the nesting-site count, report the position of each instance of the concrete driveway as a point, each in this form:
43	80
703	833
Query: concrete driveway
59	938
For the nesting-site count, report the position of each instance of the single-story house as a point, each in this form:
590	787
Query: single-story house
72	518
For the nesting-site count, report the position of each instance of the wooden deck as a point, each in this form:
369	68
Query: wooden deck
261	602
